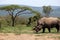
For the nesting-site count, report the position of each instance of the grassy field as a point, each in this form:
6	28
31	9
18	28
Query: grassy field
22	29
16	29
22	32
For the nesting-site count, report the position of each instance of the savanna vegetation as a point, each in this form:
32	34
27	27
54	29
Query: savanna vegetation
13	22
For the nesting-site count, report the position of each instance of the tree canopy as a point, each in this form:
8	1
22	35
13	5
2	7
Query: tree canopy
12	8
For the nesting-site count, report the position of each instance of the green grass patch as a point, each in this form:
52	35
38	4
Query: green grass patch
18	29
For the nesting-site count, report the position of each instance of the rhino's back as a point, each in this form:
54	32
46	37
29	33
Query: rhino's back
48	20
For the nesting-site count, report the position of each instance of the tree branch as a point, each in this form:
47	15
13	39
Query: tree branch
19	12
9	13
23	13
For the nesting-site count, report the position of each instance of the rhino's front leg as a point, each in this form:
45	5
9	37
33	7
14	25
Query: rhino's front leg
43	30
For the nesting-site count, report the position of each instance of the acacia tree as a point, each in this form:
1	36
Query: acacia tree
15	10
47	10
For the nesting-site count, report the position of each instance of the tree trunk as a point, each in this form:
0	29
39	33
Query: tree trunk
13	22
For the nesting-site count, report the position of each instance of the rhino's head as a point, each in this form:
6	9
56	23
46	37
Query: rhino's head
37	28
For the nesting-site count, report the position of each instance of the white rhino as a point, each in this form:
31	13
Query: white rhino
47	22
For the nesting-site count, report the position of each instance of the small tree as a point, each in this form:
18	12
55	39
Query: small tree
34	18
15	10
47	10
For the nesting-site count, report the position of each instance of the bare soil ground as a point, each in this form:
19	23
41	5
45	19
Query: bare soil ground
12	36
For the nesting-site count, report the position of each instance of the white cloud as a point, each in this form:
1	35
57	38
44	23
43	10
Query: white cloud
32	2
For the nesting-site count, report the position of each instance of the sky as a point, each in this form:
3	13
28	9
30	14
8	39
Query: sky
36	3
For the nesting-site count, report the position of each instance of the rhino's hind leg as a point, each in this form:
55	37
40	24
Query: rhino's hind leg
57	27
